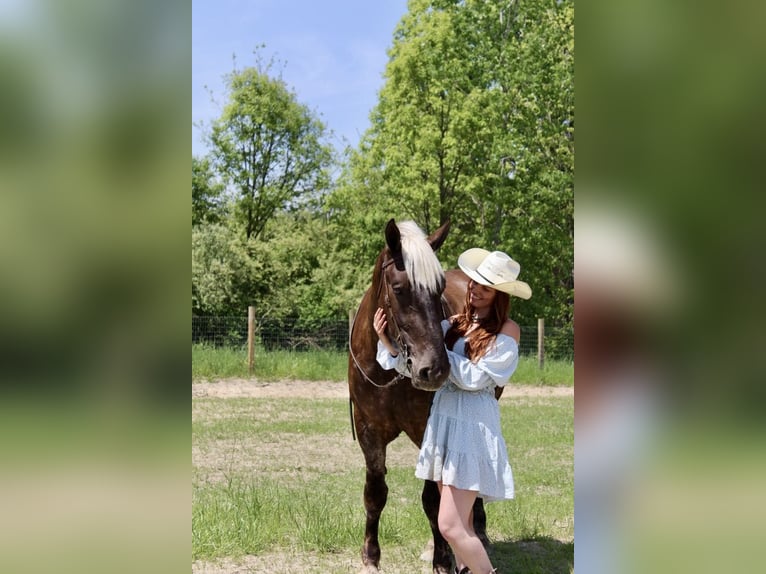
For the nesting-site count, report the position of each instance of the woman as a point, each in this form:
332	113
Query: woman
463	449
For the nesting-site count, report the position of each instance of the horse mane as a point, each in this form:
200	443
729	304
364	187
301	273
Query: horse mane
423	267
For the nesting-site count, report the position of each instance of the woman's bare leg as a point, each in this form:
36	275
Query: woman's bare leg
455	525
459	562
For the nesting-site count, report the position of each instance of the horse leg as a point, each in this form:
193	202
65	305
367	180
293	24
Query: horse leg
375	497
442	560
480	521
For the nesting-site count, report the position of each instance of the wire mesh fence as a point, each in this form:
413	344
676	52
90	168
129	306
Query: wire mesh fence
296	335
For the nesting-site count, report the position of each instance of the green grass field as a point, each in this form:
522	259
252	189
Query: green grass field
277	485
212	363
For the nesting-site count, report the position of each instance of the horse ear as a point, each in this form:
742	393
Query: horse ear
393	238
437	237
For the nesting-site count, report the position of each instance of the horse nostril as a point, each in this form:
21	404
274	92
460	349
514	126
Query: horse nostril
424	373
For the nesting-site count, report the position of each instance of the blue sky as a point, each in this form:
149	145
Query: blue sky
333	54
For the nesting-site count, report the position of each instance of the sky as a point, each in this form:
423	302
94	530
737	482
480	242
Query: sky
332	55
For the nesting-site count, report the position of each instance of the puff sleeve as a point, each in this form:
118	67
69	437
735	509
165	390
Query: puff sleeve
494	368
387	361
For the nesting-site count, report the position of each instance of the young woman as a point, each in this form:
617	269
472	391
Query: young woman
463	449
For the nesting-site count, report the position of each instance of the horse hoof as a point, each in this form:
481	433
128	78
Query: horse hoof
369	569
428	552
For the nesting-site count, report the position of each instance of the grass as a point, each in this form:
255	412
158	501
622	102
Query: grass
553	373
241	517
282	477
212	363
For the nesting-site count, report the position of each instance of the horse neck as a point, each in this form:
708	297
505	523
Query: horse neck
363	330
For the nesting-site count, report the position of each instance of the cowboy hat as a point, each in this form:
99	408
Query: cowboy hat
494	269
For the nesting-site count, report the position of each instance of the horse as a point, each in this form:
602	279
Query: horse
409	284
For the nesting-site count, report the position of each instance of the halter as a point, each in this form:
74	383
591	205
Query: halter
392	320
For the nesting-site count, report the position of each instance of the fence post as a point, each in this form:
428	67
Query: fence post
250	339
540	342
351	315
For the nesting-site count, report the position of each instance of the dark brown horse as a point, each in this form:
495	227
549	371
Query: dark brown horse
408	282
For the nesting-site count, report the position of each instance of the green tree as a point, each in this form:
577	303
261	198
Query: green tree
291	271
304	278
475	123
207	201
226	278
530	207
270	148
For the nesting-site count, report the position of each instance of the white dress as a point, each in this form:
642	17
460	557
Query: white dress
463	445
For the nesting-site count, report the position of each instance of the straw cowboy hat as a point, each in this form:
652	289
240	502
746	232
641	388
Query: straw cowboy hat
494	269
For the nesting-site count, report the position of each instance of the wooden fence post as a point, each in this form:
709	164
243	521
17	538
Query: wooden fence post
540	342
351	315
250	339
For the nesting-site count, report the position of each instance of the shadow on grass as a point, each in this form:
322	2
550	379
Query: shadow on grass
541	555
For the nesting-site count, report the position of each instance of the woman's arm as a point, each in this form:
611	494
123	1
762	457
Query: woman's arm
389	361
494	368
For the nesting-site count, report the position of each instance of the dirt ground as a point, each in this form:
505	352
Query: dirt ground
246	388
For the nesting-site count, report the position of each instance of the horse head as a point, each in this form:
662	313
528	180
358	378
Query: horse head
410	282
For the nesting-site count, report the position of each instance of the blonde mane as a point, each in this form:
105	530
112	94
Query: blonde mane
422	266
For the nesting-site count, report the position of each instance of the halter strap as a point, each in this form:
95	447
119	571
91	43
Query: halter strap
392	318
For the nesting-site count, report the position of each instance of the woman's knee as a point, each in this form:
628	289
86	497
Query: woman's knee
451	527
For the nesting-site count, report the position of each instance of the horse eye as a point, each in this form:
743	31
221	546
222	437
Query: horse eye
397	289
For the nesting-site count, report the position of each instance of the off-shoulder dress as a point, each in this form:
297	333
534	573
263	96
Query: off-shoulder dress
463	445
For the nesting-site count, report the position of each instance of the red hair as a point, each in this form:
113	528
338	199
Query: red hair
484	334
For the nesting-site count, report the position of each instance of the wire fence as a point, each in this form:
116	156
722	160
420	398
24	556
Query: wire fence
332	335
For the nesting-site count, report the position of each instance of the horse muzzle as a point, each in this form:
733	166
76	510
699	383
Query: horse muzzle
429	375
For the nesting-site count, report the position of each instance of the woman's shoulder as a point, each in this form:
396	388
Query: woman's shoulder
512	329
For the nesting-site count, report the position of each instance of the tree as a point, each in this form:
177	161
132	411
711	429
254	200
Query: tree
224	275
207	204
475	123
291	271
533	105
269	148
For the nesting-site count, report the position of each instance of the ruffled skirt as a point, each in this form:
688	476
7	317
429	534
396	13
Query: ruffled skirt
463	444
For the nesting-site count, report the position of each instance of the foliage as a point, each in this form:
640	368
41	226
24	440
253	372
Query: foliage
207	201
225	276
535	107
475	124
269	147
291	271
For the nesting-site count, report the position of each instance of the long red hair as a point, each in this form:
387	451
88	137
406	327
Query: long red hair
484	334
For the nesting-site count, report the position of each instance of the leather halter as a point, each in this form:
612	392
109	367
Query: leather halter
391	318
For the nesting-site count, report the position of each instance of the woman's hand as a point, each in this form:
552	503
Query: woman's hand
379	324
